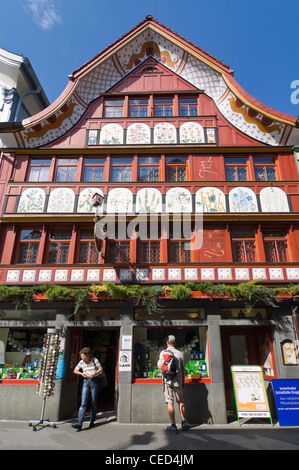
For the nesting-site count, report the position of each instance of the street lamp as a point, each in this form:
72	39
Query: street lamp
98	200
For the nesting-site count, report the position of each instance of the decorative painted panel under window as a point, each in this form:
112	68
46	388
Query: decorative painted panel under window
243	245
66	169
176	168
59	246
276	246
29	246
114	108
138	108
188	106
149	168
265	169
149	252
94	169
163	107
121	169
236	169
88	253
39	169
119	252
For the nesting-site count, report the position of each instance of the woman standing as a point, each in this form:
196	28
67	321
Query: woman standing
89	368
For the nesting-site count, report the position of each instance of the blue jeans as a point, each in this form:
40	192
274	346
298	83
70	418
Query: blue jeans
90	388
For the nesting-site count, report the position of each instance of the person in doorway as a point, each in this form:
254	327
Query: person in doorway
89	368
173	388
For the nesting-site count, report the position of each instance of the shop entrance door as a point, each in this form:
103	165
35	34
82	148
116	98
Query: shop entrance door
104	343
241	346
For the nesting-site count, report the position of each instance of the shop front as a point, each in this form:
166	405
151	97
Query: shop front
212	335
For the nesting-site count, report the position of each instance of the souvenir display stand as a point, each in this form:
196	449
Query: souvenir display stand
47	373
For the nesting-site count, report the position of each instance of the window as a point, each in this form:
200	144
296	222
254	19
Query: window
94	169
138	108
119	251
276	247
59	245
121	169
149	168
265	169
39	170
236	168
188	106
163	106
149	251
243	245
66	169
88	253
176	168
29	246
190	340
114	108
179	251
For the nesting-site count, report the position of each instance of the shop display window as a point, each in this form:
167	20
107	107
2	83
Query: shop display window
20	353
192	341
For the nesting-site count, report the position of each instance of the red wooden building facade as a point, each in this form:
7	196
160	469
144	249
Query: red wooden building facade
200	185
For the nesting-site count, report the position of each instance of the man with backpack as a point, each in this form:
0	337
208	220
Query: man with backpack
171	363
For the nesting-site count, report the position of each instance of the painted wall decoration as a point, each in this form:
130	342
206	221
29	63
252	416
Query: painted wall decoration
274	200
112	134
120	200
242	200
148	200
165	133
178	200
85	202
32	200
61	200
210	200
191	133
138	133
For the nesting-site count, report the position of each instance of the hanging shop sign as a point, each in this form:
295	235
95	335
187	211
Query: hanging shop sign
286	395
250	392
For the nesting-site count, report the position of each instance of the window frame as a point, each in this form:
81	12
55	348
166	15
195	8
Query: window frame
90	240
67	166
40	166
244	241
94	166
176	165
60	241
236	165
163	103
114	105
142	164
258	164
122	165
30	242
190	102
139	107
275	239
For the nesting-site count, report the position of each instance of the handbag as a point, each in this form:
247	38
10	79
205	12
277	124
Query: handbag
103	380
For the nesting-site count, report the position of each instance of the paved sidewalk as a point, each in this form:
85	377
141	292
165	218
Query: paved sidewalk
113	437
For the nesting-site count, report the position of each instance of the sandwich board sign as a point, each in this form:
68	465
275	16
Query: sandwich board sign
286	395
250	393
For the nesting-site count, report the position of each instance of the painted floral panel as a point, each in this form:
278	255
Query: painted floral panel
274	200
178	200
210	200
112	134
191	133
61	200
149	200
242	200
138	133
85	203
32	200
165	133
120	200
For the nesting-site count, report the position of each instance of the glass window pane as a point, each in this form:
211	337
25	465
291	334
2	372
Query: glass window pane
116	174
61	174
126	176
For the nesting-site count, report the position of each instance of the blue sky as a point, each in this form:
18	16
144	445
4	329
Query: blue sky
257	38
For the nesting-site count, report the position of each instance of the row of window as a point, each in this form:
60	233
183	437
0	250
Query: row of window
148	106
150	168
244	248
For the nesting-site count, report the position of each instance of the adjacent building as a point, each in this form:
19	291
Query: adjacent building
197	234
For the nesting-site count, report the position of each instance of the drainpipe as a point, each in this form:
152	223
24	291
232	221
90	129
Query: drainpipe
33	92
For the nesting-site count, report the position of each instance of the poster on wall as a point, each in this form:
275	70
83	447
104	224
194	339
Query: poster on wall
250	392
125	361
286	395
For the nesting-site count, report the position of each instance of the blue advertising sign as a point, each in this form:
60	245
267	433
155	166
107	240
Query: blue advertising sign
286	394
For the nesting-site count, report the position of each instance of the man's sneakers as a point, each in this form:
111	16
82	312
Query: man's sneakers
172	428
185	426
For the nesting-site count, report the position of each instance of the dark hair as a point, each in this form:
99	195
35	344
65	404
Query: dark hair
86	352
